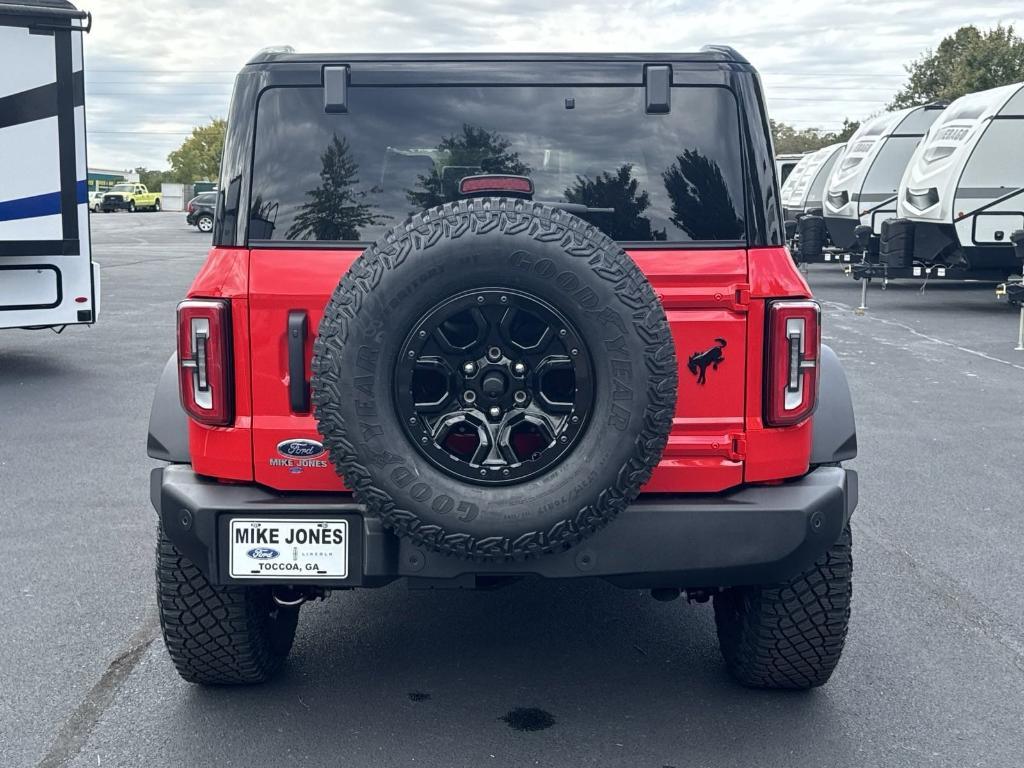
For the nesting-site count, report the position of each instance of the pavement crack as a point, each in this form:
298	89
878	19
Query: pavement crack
78	726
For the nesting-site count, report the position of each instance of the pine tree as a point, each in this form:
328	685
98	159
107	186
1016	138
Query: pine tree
335	209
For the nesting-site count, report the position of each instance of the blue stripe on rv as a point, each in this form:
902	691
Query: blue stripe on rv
39	205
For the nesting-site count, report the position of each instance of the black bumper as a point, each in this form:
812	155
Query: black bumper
753	535
108	206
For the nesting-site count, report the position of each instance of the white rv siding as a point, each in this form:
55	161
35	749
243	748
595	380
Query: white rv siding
47	277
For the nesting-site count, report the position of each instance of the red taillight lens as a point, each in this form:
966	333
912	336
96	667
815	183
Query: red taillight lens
191	207
204	360
474	185
794	349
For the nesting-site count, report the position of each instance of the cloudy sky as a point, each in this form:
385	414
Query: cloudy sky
154	70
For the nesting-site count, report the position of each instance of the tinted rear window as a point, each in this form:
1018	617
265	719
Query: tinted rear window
347	177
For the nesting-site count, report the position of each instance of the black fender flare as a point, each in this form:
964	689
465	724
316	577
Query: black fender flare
834	431
168	422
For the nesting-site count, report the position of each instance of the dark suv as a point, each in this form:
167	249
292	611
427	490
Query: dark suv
469	318
200	210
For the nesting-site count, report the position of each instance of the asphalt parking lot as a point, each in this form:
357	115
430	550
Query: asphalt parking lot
933	673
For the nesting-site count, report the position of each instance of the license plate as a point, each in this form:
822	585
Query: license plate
288	549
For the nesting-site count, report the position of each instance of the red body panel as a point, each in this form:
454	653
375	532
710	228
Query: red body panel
226	452
718	438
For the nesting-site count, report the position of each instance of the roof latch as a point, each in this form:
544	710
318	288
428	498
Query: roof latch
658	80
336	89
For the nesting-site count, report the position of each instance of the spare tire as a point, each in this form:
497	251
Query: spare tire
495	378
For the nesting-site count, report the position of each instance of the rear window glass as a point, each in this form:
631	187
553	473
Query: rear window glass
348	177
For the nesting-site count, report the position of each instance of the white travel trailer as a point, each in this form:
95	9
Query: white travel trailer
47	276
862	187
804	190
786	163
962	195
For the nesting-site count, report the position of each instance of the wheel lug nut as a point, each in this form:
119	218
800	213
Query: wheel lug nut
494	354
519	369
469	369
469	396
495	411
563	439
520	397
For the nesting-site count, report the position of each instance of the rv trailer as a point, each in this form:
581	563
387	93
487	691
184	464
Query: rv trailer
786	163
802	196
961	198
804	190
47	276
862	188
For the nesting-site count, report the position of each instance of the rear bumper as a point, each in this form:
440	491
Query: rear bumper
753	535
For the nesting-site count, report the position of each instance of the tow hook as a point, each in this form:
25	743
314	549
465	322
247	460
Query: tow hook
293	597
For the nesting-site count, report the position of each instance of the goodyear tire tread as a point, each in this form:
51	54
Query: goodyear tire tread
587	247
789	635
218	635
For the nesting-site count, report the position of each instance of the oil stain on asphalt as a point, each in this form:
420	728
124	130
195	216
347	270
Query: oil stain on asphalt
528	719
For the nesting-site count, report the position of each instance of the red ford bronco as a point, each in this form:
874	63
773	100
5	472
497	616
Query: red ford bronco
468	318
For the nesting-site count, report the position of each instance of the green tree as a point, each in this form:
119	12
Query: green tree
153	179
968	60
701	204
788	139
618	190
198	158
474	150
335	210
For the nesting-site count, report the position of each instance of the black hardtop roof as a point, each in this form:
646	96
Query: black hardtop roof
709	54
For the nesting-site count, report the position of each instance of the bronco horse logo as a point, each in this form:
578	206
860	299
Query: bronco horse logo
699	361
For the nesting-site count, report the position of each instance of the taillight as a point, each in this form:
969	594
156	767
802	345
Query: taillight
191	207
794	349
204	360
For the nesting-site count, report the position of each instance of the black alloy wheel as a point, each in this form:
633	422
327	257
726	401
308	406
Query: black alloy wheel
494	386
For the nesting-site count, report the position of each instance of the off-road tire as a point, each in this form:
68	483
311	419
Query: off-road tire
789	635
219	635
406	272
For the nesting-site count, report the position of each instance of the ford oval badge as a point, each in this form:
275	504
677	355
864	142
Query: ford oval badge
300	448
263	553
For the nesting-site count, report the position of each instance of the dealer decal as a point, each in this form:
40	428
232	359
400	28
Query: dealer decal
298	453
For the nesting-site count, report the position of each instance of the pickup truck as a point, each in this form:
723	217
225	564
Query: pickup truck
130	197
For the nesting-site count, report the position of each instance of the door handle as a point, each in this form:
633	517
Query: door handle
298	387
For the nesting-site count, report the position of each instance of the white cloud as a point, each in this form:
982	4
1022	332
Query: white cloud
159	68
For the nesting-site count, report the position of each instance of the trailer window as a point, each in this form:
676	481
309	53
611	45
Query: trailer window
348	177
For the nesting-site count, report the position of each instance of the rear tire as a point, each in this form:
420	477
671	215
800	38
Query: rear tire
789	635
204	223
219	635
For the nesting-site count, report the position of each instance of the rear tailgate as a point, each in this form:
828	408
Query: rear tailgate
706	297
